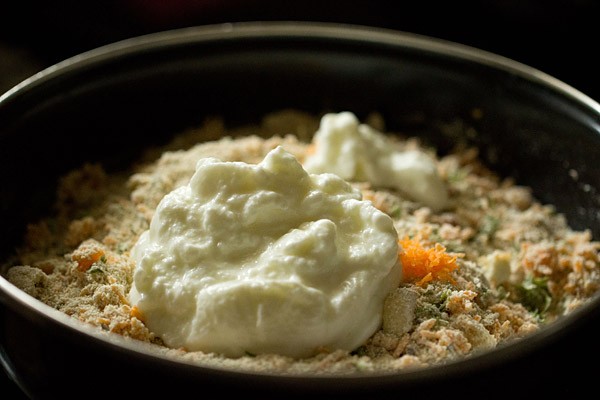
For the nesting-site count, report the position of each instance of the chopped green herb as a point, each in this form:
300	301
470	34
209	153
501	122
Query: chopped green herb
427	310
535	295
395	211
95	270
458	175
489	225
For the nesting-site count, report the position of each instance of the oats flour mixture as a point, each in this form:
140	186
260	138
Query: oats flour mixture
458	259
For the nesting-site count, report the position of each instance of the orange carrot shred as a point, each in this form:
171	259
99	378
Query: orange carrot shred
136	313
86	259
421	265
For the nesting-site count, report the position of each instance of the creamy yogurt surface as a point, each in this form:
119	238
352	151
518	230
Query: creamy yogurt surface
265	258
358	152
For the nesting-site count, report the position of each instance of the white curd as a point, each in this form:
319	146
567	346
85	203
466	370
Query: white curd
357	152
265	258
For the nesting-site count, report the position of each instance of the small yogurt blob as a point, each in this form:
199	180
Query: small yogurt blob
357	152
264	258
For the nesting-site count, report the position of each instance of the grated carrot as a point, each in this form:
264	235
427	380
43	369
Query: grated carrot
135	312
85	259
421	265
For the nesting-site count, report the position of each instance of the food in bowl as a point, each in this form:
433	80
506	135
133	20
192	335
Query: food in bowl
391	256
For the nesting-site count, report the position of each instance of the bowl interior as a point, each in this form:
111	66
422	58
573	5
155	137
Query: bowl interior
112	103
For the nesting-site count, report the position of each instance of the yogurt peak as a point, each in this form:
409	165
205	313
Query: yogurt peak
265	258
358	152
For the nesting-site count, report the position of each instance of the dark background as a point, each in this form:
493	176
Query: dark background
558	37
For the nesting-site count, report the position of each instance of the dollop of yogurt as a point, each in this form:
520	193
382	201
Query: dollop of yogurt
358	152
264	258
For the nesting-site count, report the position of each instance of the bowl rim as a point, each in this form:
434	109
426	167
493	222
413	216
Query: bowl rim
11	296
345	31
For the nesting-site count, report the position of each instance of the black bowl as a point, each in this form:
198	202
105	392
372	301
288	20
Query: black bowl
109	104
